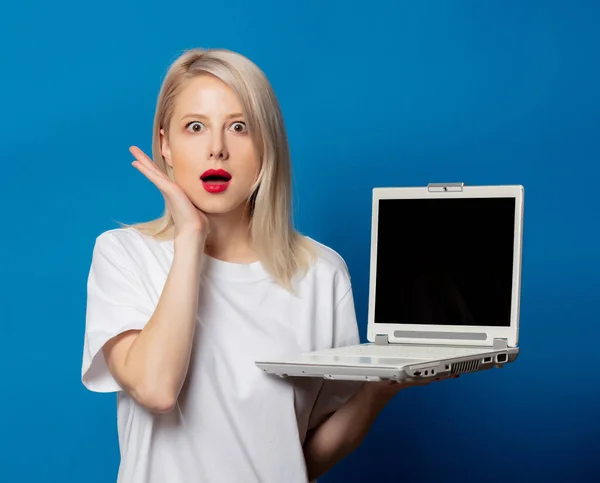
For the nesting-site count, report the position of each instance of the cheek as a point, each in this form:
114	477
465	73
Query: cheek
246	159
184	159
251	169
185	175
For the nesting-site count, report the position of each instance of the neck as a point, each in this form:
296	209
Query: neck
229	238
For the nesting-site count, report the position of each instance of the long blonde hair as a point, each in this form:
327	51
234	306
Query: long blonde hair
281	249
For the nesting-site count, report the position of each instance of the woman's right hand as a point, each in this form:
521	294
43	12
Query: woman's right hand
187	218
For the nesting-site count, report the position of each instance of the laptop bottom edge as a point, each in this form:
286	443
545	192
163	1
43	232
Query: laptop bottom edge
405	370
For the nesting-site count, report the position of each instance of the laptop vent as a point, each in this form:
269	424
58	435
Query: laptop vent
465	366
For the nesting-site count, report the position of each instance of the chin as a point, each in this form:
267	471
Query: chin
220	205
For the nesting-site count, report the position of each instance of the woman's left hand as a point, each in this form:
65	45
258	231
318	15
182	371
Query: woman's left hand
388	389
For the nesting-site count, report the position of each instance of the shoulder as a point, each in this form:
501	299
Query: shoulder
332	275
124	237
128	238
329	266
327	257
127	246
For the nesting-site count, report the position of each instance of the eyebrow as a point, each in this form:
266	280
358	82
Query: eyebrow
202	116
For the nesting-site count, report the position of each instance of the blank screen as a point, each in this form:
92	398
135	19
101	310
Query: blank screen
445	261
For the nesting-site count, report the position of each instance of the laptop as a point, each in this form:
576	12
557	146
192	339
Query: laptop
444	289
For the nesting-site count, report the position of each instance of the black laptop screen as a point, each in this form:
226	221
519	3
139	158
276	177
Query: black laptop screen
445	261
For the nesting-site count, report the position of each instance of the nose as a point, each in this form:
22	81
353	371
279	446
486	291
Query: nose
217	149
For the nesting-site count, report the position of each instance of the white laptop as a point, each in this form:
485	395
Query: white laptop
444	290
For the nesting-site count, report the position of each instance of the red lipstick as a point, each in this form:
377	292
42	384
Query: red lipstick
215	180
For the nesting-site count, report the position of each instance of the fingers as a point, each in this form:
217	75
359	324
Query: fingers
425	382
145	165
139	154
149	173
144	160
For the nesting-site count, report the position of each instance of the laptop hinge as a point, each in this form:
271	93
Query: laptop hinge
500	344
381	339
445	186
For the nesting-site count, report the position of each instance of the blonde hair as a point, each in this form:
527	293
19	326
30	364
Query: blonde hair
281	249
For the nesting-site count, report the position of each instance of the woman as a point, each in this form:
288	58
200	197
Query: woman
179	308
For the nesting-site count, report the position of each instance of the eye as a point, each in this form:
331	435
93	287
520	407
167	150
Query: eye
239	127
195	126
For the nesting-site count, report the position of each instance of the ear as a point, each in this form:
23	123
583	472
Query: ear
165	149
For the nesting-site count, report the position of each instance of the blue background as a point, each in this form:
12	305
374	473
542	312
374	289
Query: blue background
374	94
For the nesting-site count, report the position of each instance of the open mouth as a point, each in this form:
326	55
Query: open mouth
215	180
215	176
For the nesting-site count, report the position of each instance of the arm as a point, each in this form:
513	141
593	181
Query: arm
345	429
151	364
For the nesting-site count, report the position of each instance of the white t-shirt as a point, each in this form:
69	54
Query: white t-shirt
232	422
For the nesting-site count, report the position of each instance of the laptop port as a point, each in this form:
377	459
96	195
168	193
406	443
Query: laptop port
501	358
487	360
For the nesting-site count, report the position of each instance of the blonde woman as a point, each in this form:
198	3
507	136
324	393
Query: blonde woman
180	307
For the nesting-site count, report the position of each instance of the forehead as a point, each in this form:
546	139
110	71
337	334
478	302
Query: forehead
207	95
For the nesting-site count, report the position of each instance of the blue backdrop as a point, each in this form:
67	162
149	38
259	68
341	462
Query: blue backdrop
374	94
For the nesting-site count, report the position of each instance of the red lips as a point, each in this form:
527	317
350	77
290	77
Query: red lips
215	180
219	173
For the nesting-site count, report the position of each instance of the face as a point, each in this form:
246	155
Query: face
212	155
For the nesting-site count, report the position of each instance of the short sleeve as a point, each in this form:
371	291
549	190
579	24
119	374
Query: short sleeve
116	303
334	394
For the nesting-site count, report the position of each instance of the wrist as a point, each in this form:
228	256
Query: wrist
378	394
190	243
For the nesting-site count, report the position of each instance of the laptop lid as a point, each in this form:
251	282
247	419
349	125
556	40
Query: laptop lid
446	264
